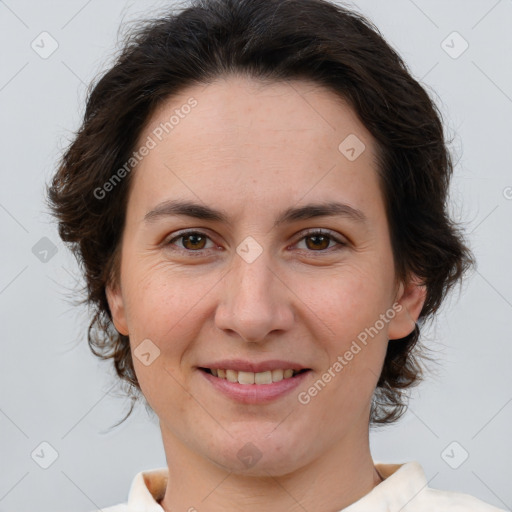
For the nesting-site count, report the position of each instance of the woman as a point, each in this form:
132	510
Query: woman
258	199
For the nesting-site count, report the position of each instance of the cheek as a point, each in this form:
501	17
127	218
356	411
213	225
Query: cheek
163	309
155	296
165	306
347	301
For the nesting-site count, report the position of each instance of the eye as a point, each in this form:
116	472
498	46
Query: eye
319	240
196	241
192	241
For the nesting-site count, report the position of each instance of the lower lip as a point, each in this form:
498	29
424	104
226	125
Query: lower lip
255	393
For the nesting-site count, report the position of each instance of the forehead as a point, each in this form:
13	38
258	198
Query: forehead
294	137
235	107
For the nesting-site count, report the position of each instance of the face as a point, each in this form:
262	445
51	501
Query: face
255	278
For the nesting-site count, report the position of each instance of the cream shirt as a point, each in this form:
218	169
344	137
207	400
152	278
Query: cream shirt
404	489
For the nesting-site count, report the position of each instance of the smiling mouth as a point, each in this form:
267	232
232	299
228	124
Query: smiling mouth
268	377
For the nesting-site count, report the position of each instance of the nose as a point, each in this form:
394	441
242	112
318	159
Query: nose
256	302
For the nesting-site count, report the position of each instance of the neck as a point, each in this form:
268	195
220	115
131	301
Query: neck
339	477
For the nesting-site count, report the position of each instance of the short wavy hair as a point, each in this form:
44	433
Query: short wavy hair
272	41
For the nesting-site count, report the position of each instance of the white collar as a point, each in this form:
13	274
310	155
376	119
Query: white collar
402	483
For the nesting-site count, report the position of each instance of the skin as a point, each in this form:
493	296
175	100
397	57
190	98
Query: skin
253	150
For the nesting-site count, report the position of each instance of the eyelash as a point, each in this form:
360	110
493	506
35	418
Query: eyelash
312	233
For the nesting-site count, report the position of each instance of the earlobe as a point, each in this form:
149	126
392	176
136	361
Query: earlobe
410	298
117	310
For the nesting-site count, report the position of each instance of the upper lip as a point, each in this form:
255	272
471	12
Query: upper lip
251	366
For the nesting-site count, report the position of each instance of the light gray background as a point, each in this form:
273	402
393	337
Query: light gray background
55	391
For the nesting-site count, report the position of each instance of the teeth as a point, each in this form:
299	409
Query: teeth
263	378
246	377
241	377
277	375
232	376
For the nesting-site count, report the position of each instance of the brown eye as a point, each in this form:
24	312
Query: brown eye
321	241
192	241
318	242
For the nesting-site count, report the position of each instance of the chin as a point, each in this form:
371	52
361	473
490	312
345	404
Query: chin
260	456
266	466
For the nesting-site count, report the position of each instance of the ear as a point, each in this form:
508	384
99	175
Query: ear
410	299
117	309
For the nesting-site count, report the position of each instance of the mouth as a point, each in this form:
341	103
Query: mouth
251	378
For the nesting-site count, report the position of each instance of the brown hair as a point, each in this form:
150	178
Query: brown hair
271	40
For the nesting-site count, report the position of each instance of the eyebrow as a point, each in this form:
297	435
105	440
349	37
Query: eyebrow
175	207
